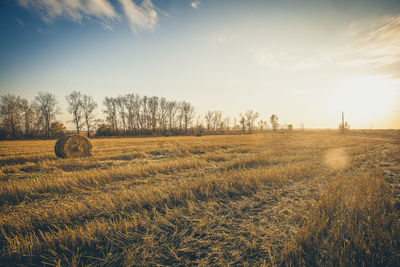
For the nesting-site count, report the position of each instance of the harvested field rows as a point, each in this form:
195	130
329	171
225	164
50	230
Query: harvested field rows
262	199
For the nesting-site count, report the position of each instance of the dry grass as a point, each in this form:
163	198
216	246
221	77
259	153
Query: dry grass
300	198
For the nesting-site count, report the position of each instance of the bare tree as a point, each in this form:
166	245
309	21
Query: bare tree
153	112
88	107
187	111
261	124
74	101
111	113
217	119
163	114
251	117
209	119
172	109
47	110
132	103
121	107
28	115
274	122
10	111
227	122
242	121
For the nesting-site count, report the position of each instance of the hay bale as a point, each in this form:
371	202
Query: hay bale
73	146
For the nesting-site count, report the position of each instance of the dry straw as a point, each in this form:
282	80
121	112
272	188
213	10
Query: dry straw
73	146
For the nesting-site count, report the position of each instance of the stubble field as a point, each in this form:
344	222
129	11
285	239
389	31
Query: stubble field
293	198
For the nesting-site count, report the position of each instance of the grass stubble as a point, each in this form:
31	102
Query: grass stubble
299	198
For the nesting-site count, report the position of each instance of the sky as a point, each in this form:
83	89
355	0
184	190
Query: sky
306	61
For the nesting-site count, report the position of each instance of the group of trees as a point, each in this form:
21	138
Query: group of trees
130	114
133	114
23	118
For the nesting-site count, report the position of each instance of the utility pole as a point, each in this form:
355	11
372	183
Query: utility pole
342	120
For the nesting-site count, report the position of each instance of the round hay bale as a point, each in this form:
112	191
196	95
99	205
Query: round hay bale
73	146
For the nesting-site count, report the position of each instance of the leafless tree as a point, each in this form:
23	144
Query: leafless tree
132	103
274	122
47	110
28	115
217	119
10	112
227	122
111	113
163	114
121	108
88	108
172	109
153	112
74	101
251	117
242	121
261	124
209	119
187	111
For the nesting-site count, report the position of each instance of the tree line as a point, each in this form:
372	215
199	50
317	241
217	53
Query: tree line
130	114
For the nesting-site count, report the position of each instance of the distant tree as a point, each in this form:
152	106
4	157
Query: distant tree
88	108
74	101
274	122
153	112
251	117
242	121
302	126
216	119
209	119
261	124
235	126
47	109
290	127
28	115
121	108
227	122
104	130
57	129
344	126
162	114
10	112
110	110
187	111
172	110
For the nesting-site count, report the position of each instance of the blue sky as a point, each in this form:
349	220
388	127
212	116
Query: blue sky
305	60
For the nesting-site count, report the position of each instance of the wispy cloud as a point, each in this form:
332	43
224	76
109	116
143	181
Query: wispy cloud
373	44
195	4
75	10
20	22
275	58
143	17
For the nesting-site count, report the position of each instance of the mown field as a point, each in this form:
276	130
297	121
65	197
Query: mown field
294	198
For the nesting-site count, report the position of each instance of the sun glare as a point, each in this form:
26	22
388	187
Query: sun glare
366	99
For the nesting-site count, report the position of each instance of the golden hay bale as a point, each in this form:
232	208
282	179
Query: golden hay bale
73	146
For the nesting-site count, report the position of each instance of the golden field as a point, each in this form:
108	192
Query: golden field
274	199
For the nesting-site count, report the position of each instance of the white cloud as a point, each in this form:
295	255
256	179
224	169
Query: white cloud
140	17
75	10
143	17
195	4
